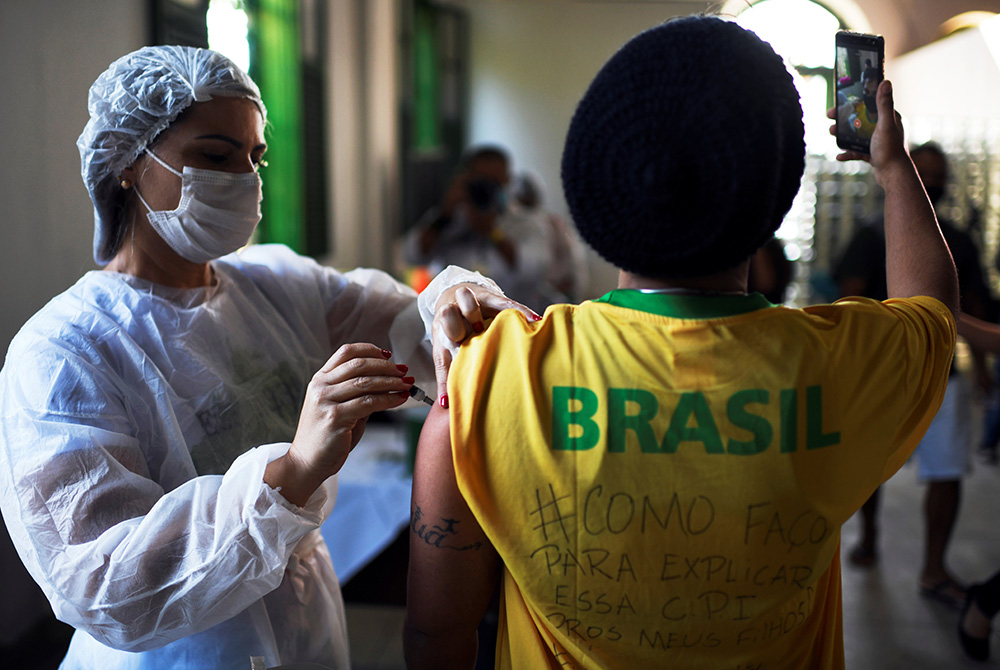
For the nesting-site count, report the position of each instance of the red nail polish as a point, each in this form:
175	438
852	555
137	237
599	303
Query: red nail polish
444	400
408	380
387	354
402	368
478	326
536	317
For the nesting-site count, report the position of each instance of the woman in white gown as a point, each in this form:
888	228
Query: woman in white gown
168	448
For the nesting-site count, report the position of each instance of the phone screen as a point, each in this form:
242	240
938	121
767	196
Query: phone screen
857	74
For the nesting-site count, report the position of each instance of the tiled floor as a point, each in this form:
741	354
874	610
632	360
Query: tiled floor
375	633
887	624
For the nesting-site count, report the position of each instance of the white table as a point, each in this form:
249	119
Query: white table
373	499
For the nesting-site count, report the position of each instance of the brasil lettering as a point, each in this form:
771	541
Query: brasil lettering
574	427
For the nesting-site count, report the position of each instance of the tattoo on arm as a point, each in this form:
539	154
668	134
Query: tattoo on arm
443	536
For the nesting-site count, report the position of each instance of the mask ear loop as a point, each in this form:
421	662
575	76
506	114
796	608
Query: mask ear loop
161	162
126	184
146	169
135	188
143	200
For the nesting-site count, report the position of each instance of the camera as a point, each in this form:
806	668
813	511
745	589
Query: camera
483	194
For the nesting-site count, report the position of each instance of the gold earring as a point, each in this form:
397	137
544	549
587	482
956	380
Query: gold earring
126	184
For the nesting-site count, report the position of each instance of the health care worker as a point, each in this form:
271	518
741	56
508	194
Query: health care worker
158	478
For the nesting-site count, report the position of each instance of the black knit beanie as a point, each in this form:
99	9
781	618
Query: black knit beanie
685	153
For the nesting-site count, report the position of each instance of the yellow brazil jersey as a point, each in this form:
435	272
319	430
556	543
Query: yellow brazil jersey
665	477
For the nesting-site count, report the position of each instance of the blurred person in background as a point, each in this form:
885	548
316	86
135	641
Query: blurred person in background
943	454
771	272
982	601
476	227
567	275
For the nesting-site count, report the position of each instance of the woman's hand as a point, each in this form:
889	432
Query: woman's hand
358	380
887	144
462	310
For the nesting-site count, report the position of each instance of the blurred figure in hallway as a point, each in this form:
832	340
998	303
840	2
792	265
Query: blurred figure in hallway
567	275
771	272
988	445
983	601
943	454
475	227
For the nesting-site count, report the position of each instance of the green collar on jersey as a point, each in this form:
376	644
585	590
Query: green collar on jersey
686	306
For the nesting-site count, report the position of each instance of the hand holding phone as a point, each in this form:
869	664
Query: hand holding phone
859	69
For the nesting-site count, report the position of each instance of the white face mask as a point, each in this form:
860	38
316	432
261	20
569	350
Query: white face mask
217	213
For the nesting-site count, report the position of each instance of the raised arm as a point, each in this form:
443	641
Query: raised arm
453	566
918	261
980	334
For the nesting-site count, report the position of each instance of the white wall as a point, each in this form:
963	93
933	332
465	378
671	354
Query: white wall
345	118
362	130
51	51
957	77
382	166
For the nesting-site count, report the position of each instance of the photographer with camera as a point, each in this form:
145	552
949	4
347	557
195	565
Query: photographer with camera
476	227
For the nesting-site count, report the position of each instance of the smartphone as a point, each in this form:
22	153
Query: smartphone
859	69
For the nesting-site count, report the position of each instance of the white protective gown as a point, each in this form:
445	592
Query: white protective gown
137	423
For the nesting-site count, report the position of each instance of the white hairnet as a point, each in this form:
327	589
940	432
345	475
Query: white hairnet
138	96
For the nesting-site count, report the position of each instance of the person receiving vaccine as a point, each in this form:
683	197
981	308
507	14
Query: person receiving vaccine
173	423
